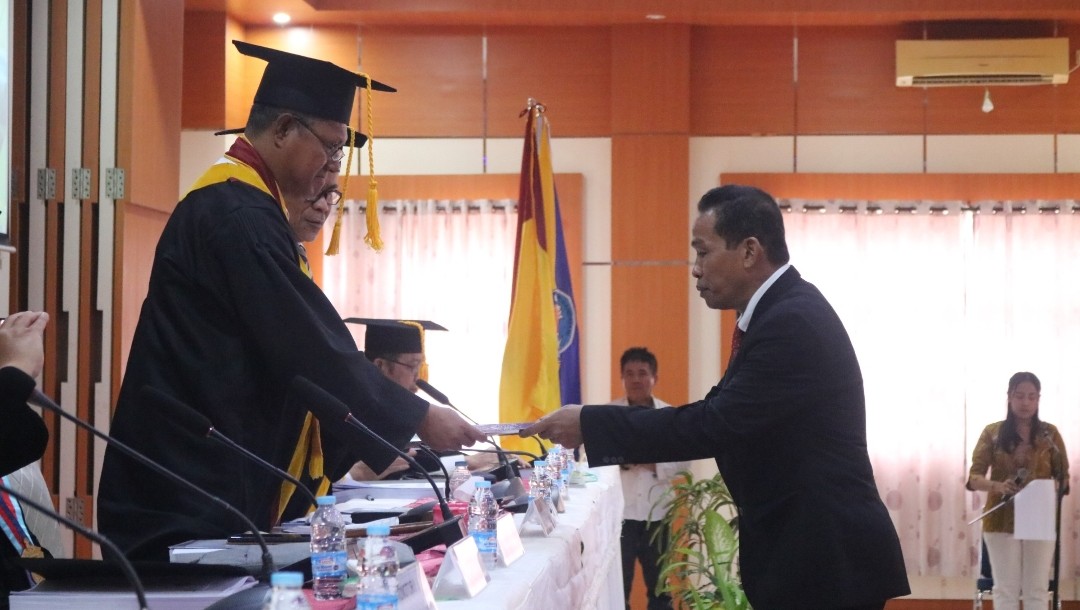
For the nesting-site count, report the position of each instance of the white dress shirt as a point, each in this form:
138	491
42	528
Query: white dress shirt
643	487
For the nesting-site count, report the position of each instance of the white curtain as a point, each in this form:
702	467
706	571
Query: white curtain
446	261
943	305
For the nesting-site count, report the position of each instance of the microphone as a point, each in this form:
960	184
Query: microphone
435	456
329	410
1021	476
125	565
506	470
196	423
439	397
43	401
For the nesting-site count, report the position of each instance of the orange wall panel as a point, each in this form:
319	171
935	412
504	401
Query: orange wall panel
153	108
650	218
568	69
236	107
649	308
650	76
439	76
742	81
205	80
847	83
934	187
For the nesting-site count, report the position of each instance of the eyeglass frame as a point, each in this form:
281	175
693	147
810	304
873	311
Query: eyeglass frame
333	153
415	368
326	194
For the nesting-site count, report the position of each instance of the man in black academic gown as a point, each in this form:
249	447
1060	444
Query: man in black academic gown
232	317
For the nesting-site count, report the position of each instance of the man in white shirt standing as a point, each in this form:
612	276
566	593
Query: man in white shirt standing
643	485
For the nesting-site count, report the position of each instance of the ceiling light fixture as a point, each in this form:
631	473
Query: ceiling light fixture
655	17
281	18
988	104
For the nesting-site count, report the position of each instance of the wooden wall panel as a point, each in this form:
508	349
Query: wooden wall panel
20	154
649	308
568	69
1017	110
205	80
650	76
156	39
847	83
650	219
1066	107
236	107
742	81
438	75
141	228
970	187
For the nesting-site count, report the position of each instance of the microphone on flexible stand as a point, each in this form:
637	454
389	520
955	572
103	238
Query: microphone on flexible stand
43	401
506	469
194	422
329	410
114	551
435	456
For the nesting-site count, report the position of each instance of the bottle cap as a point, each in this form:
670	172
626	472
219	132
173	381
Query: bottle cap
286	579
378	529
325	500
483	484
461	464
539	463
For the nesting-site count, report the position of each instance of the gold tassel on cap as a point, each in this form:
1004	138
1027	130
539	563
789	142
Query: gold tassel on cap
423	374
335	236
372	238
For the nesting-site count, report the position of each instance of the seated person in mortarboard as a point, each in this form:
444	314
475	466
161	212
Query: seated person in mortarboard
396	347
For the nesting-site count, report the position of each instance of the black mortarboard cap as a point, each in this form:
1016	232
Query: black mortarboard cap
358	142
310	86
393	336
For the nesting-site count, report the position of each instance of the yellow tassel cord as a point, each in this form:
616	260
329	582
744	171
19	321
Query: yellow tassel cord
423	353
372	238
335	236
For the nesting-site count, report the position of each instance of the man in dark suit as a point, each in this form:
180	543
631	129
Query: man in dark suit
786	424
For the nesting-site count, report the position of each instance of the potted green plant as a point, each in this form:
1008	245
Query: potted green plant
699	566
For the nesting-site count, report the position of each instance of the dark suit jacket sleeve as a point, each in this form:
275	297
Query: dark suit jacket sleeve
777	369
23	435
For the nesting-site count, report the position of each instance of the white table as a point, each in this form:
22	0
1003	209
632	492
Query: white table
578	566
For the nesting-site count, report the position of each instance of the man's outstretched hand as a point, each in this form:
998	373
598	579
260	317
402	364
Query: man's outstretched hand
562	426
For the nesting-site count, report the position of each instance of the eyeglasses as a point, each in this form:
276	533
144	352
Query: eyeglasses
333	153
332	197
412	367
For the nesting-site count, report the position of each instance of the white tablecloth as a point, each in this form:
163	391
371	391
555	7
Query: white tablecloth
578	566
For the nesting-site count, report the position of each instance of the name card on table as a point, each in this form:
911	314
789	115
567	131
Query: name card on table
506	536
461	575
540	512
413	590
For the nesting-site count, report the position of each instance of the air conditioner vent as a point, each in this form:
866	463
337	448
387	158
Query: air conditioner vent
957	63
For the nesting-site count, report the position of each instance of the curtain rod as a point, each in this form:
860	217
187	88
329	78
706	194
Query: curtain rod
852	206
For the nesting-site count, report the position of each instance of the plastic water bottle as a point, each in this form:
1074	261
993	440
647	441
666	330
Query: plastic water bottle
483	513
540	484
566	465
285	593
378	579
328	554
554	467
460	475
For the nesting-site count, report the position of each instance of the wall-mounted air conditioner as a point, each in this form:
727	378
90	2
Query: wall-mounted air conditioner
938	63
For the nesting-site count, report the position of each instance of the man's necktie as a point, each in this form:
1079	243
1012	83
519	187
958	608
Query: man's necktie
736	340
